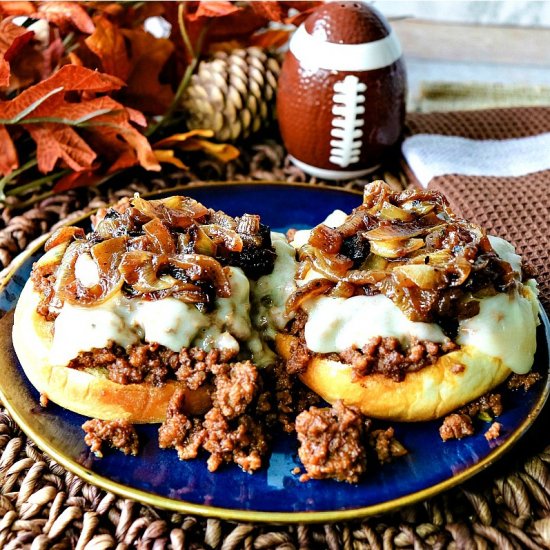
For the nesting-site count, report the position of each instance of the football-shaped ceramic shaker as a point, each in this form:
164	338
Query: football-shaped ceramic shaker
342	90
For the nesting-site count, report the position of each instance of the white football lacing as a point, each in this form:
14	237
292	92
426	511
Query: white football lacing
346	125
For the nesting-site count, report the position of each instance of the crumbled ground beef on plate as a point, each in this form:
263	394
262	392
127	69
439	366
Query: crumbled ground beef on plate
227	431
119	434
386	445
331	443
525	381
385	355
235	387
152	363
243	441
494	431
184	434
456	426
488	404
381	355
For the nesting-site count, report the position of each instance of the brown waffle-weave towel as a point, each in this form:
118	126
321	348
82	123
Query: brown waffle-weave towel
494	167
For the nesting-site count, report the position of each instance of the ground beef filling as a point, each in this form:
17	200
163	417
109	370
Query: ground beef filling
381	355
456	426
461	423
331	443
525	381
152	363
119	434
336	443
388	357
493	432
228	431
43	279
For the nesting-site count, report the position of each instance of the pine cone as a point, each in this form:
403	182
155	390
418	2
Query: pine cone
233	93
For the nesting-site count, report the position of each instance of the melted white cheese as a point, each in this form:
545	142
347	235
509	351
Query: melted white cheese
506	252
169	322
271	292
335	324
505	328
86	271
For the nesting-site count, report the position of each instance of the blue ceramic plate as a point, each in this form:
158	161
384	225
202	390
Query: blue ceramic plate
274	494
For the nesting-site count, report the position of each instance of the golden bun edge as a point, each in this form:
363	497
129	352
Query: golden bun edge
83	392
455	379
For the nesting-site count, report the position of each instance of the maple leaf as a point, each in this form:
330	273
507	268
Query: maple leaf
108	44
8	154
44	111
68	78
66	15
144	90
133	55
128	15
278	11
17	8
301	16
54	142
84	178
37	59
191	141
213	9
208	22
270	10
272	38
12	39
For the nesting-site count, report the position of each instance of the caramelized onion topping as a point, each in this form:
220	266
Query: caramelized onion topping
157	248
311	289
411	247
64	235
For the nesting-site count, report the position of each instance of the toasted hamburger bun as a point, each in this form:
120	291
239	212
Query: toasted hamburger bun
457	378
87	392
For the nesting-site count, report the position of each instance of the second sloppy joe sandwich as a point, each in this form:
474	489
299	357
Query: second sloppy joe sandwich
405	310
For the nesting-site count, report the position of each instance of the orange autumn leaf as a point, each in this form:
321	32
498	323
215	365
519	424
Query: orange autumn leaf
300	17
8	153
270	10
51	119
107	43
214	9
144	90
55	142
222	151
66	15
12	39
68	78
273	38
168	156
17	8
184	136
208	22
84	178
130	15
190	141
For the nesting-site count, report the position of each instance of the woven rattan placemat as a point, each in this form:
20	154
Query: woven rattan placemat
43	506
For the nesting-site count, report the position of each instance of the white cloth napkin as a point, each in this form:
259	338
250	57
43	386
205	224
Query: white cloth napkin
431	155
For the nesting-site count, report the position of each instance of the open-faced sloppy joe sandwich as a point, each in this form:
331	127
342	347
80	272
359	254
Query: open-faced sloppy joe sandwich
405	310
